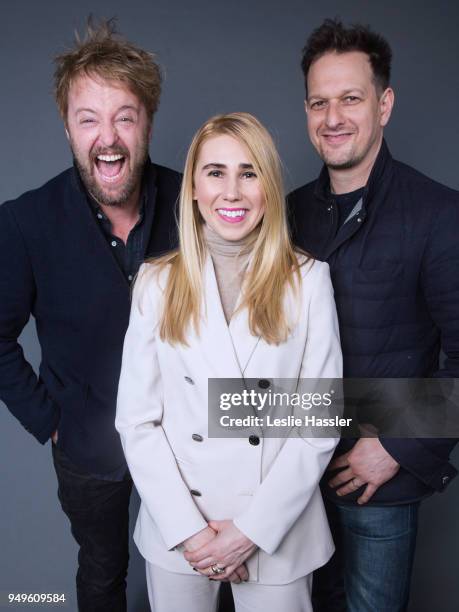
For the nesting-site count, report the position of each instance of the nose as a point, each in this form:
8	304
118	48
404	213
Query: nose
231	189
334	117
107	134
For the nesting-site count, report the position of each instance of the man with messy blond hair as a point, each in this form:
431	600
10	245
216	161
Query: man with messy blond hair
68	253
102	54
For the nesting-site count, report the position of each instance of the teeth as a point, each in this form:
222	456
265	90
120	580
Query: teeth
232	213
109	158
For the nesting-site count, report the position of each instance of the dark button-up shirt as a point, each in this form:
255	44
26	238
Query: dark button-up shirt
128	256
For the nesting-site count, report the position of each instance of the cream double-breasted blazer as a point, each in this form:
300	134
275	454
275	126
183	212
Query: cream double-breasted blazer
186	478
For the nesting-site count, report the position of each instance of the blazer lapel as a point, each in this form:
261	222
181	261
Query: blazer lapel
215	334
224	349
244	344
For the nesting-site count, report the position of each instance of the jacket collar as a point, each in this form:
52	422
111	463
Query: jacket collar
380	171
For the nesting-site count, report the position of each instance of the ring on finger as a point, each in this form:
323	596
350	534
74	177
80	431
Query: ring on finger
217	570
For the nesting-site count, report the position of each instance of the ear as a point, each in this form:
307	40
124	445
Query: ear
386	104
306	108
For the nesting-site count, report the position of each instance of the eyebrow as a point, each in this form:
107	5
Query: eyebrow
121	109
346	92
216	165
353	90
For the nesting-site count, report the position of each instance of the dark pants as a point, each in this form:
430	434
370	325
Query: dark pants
371	568
98	511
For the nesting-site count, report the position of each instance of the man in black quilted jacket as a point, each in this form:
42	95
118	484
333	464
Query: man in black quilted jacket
389	235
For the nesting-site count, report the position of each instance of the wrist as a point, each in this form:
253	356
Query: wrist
198	539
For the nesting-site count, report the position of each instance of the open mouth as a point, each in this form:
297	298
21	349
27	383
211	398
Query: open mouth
110	167
232	215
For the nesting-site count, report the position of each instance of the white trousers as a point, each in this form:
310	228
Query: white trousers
171	592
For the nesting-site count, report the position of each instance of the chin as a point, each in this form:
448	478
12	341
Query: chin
336	158
344	161
113	197
341	164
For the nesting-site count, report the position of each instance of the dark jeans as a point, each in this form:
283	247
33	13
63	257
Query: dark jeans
98	511
371	568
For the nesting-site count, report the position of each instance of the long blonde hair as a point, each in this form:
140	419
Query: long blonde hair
274	265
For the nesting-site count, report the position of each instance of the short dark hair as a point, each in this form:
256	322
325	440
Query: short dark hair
333	37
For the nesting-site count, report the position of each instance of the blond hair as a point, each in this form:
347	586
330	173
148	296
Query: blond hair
274	264
103	53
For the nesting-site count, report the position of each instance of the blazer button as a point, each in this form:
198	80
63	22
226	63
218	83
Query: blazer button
264	384
254	440
445	480
189	380
195	492
197	438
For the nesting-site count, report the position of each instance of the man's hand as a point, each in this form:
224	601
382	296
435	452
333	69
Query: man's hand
368	463
229	549
54	437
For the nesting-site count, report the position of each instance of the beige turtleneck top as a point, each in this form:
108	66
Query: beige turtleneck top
230	259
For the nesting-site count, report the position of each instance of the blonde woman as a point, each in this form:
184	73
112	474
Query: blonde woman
234	301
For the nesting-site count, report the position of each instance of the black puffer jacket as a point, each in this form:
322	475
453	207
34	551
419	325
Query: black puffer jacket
395	271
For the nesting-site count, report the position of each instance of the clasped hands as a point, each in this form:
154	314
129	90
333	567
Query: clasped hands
220	545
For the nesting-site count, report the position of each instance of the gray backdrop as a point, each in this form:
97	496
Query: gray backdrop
218	57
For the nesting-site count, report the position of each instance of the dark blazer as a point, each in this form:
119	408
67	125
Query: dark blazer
394	268
56	264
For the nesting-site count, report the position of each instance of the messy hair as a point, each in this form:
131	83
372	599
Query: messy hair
103	53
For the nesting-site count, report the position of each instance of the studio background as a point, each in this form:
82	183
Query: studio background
217	57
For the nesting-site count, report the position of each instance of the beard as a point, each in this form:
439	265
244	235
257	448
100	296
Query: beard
342	160
345	164
104	195
350	158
